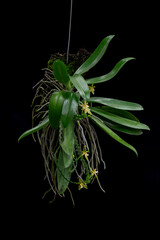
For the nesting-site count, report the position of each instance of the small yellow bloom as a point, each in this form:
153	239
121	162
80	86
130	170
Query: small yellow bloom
94	173
82	184
85	154
92	88
85	107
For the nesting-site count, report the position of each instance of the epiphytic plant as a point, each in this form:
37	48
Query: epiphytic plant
69	143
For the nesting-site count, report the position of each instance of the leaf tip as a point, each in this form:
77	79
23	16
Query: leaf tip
141	107
112	36
20	138
131	58
148	128
136	152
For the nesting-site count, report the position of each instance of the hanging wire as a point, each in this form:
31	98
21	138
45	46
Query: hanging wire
69	32
69	39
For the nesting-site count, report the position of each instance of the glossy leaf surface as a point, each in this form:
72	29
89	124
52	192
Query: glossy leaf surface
69	109
119	127
80	84
68	144
123	129
118	119
119	112
60	73
115	103
95	56
63	174
55	108
111	74
43	124
112	134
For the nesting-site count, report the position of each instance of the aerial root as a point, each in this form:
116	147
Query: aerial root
86	138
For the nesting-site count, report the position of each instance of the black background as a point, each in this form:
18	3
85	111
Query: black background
32	33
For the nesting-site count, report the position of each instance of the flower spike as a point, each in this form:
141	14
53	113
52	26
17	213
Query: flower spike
82	184
85	107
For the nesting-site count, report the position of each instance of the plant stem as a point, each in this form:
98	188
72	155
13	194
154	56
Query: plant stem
69	34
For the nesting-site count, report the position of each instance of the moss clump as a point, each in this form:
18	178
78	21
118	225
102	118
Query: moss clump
75	60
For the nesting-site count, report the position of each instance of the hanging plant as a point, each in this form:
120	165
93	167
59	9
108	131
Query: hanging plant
66	109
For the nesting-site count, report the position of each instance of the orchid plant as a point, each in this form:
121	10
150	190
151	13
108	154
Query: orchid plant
69	143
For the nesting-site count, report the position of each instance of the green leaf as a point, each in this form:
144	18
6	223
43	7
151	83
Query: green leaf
112	134
95	56
119	127
63	174
118	119
60	73
115	103
119	112
68	144
69	109
111	74
55	108
81	85
43	124
123	129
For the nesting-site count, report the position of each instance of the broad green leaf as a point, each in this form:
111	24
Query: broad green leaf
112	134
123	129
69	109
119	127
111	74
115	103
95	56
68	159
55	108
63	174
60	73
119	112
68	144
118	119
81	85
43	124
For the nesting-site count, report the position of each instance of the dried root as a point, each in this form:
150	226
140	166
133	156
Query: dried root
86	139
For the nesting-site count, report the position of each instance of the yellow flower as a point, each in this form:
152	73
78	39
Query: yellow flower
85	154
92	88
82	184
85	107
94	173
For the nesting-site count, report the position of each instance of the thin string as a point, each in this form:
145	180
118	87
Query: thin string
69	33
69	39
